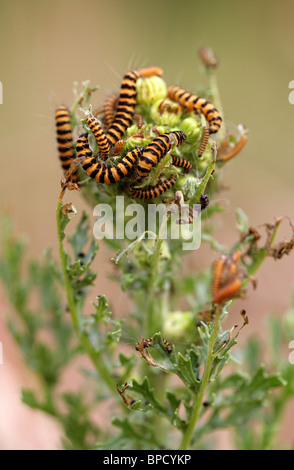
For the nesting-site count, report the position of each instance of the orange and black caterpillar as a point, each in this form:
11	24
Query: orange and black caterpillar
102	141
100	171
204	141
195	103
64	139
109	108
151	192
127	102
182	163
147	341
227	278
159	147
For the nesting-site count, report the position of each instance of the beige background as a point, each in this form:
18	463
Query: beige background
46	46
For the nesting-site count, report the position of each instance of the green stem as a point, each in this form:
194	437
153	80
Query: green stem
204	181
187	436
76	318
154	314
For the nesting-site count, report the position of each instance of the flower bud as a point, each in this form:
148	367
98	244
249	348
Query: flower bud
179	325
150	90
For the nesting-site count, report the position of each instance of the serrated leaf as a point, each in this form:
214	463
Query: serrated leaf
184	370
146	392
62	216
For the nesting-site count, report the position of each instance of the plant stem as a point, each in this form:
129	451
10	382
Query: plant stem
187	436
202	186
154	314
76	318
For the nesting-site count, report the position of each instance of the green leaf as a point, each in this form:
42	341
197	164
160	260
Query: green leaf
146	392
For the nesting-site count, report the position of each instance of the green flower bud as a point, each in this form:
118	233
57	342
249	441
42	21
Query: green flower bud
191	126
138	137
150	90
190	187
144	250
193	131
179	325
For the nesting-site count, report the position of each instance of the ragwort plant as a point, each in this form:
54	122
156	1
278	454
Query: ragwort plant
163	369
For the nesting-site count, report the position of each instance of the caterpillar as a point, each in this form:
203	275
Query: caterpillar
227	291
64	139
102	141
102	172
118	147
208	58
217	274
139	120
226	279
149	71
109	109
182	163
203	141
234	151
196	104
127	102
151	192
156	150
147	341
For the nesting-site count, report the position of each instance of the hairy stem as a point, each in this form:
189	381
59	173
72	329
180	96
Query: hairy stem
154	317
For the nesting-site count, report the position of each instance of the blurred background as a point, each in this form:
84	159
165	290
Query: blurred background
46	46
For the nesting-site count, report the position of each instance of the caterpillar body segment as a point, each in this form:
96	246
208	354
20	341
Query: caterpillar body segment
204	201
156	150
228	291
100	171
147	341
196	104
149	71
182	163
151	192
127	102
101	139
227	278
125	108
109	109
64	139
217	274
204	141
